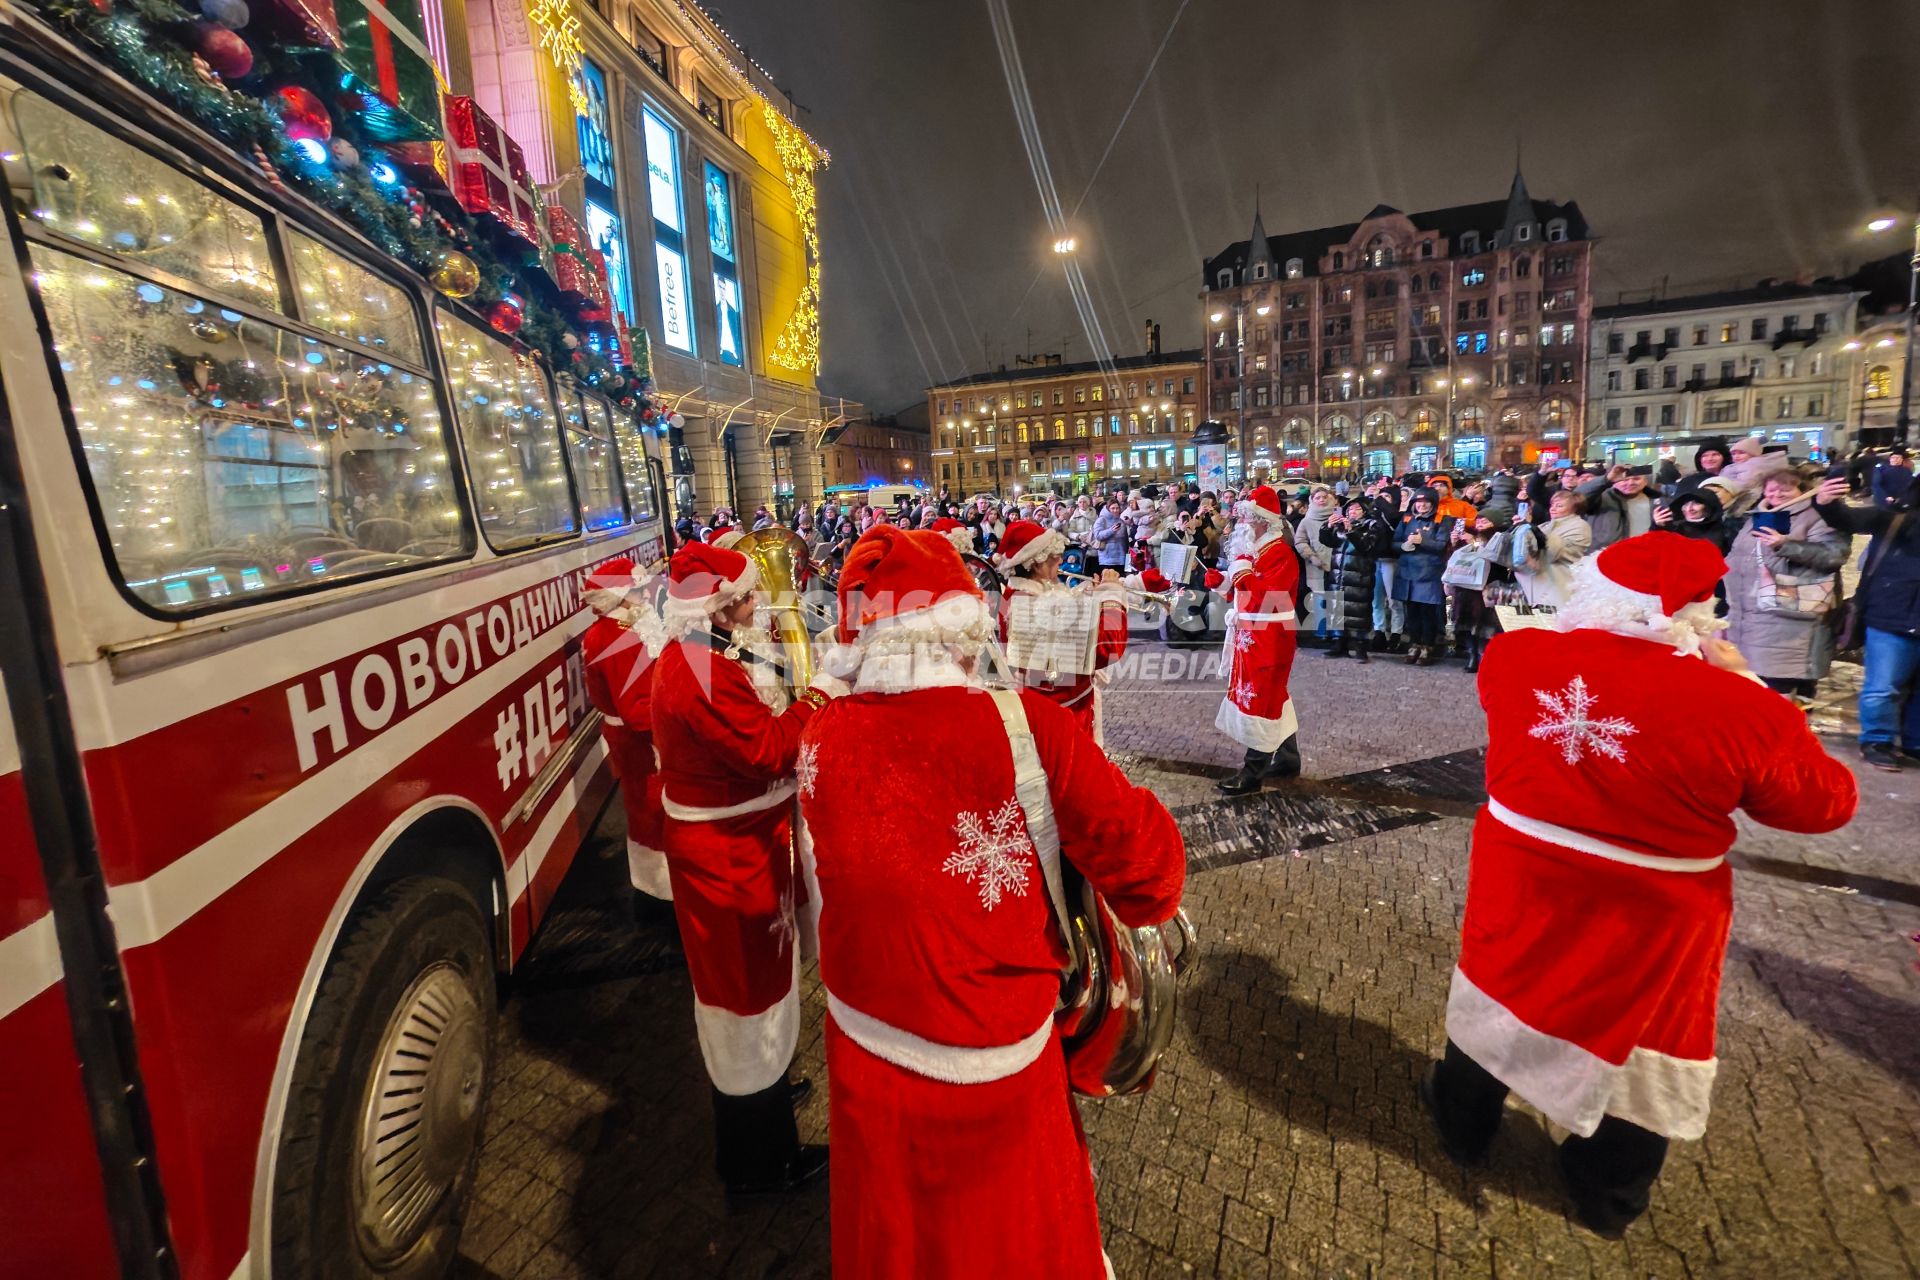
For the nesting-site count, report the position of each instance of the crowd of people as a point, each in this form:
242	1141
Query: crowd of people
1417	566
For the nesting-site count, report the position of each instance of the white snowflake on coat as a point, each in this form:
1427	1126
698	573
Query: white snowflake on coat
1243	637
1243	690
994	853
784	926
1570	724
806	767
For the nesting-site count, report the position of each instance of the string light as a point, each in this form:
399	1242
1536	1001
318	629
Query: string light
559	28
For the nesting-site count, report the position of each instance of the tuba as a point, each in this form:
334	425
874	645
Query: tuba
780	555
1119	995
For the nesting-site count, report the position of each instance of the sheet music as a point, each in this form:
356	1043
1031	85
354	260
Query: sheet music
1053	634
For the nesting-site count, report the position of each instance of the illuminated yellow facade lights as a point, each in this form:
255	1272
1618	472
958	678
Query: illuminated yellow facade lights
559	28
798	346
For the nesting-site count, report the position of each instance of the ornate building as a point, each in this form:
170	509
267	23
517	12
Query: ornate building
889	449
1067	428
682	158
1452	338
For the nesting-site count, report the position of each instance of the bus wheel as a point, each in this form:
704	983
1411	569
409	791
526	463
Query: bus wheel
382	1131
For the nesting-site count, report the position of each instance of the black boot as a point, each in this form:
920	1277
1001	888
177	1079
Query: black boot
1338	649
1474	647
1363	651
1247	781
1285	760
757	1145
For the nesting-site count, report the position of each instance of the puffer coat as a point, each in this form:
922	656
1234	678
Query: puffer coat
1356	549
1782	646
1421	564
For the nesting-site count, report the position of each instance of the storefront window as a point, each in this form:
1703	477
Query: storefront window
726	275
669	230
596	161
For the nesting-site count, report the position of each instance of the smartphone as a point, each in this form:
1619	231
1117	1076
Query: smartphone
1526	510
1778	521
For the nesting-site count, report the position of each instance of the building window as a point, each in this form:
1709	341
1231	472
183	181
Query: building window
1524	232
1785	409
1639	415
1339	260
1666	415
1613	419
596	162
727	311
1722	410
1379	252
1470	242
1816	406
1670	376
1613	379
1699	335
1759	330
1426	248
669	230
1470	278
1729	331
1224	280
1556	230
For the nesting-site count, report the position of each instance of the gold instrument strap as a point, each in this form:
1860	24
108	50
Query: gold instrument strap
1030	788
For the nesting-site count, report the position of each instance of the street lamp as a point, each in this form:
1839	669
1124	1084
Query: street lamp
1065	245
1901	424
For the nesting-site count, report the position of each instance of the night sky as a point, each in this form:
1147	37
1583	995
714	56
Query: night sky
1708	143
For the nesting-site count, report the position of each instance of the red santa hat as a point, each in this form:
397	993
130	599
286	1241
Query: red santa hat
1658	585
953	531
702	579
608	584
901	589
1261	505
1026	541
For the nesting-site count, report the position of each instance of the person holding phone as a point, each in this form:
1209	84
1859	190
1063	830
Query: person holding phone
1781	588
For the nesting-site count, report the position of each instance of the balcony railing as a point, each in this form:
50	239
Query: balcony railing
1647	351
1805	337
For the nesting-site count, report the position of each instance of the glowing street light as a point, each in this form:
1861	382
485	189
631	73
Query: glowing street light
1883	224
1065	245
1217	316
1265	309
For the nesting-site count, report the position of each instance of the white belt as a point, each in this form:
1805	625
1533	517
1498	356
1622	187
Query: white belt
1264	617
955	1064
1584	843
778	795
613	721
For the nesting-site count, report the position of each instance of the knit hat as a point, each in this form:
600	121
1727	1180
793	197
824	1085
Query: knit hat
1262	504
608	584
953	531
1753	446
702	579
901	587
1658	584
1025	542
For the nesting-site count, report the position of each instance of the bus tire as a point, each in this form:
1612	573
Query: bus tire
381	1135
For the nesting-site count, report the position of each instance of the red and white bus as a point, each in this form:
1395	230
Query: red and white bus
297	746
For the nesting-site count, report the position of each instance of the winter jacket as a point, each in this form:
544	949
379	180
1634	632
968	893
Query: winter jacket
1891	484
1782	646
1546	575
1315	557
1418	576
1356	548
1607	516
1714	528
1109	538
1892	594
1450	507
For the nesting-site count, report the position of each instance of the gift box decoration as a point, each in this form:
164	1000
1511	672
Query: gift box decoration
385	59
489	170
578	269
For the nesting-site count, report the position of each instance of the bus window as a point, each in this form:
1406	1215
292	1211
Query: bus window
87	184
344	298
591	452
631	443
513	443
232	459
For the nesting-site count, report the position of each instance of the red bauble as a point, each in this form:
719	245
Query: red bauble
224	51
301	114
505	317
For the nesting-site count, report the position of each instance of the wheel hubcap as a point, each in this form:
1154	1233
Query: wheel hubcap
422	1112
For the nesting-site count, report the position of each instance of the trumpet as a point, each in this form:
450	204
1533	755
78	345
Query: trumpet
1161	599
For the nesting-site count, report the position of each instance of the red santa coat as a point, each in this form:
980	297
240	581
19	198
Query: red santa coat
620	686
1599	897
726	775
956	1147
1258	712
1074	692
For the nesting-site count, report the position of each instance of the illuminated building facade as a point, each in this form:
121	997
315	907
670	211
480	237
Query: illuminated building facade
681	159
1451	338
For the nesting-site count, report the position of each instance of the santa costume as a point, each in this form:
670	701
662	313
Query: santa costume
1033	601
960	1155
619	649
726	770
1263	581
1599	895
957	533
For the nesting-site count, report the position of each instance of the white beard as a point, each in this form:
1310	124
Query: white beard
767	682
1241	544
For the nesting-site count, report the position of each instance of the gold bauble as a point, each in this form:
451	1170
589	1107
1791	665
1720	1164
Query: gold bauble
455	274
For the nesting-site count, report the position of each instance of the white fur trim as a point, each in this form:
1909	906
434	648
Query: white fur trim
772	798
1597	602
832	686
603	600
952	1064
962	540
746	1053
1050	543
1575	1088
928	666
681	617
1581	842
647	871
1246	510
1256	733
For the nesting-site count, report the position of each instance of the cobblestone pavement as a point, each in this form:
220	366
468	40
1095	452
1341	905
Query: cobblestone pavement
1282	1137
